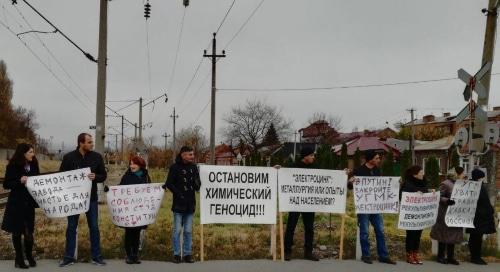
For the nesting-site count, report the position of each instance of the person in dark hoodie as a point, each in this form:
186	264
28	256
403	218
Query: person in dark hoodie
19	215
368	169
414	182
136	174
484	220
183	181
84	157
307	161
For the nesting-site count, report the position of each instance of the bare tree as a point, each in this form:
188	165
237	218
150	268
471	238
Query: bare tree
332	120
193	137
251	121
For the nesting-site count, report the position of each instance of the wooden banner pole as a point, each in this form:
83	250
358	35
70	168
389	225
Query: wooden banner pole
202	254
342	227
273	241
282	238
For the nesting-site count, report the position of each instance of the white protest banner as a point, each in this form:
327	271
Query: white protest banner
62	194
376	195
312	190
238	195
418	211
465	194
134	205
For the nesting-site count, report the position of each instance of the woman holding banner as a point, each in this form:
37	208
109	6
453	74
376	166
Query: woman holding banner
414	182
484	221
19	216
447	236
136	174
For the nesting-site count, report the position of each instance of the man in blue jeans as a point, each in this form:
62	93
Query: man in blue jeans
84	157
370	168
183	181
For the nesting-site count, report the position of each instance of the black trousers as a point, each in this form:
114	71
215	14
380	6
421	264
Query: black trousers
413	240
449	248
308	220
475	244
18	245
132	237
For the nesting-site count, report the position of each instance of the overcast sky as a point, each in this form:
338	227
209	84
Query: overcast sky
287	44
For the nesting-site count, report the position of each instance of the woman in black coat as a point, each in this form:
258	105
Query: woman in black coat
19	216
484	221
136	174
414	182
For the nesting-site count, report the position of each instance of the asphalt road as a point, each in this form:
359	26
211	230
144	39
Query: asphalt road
252	266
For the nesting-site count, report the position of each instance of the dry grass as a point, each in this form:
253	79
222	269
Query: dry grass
221	241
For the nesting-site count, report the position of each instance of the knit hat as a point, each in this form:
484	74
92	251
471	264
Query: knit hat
306	151
370	154
477	174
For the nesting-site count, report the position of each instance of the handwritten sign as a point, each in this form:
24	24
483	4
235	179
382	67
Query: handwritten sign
238	195
62	194
465	194
312	190
374	195
418	211
134	205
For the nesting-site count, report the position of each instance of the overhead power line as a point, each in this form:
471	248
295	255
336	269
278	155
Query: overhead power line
87	55
59	80
54	57
339	87
172	74
244	24
225	16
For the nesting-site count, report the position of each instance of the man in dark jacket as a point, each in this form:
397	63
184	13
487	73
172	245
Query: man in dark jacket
84	157
484	220
370	168
307	161
183	181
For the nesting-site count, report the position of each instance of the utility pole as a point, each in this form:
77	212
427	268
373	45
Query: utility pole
214	57
116	143
123	125
488	54
174	116
140	119
165	135
101	77
489	45
135	132
412	138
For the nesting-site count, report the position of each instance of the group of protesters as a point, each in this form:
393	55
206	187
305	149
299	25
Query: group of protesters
183	181
19	217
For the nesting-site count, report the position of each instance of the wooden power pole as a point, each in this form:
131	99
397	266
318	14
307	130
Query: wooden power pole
101	78
213	57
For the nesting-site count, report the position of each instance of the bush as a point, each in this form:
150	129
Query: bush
404	162
388	165
432	172
343	157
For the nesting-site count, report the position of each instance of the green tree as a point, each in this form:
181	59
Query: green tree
432	172
357	158
455	158
404	162
271	137
343	163
388	165
335	161
404	133
325	157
